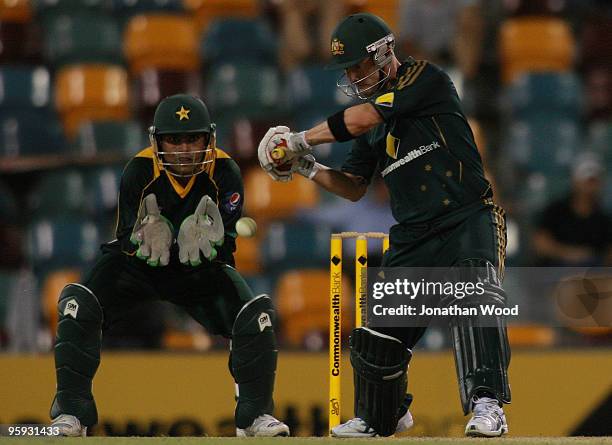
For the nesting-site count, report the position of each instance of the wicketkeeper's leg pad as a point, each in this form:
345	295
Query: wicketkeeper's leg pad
482	352
379	364
253	359
77	353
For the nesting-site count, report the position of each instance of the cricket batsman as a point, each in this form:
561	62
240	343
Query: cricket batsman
410	128
179	202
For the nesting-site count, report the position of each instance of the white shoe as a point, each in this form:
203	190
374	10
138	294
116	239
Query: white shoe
358	428
264	426
488	419
405	423
68	425
353	428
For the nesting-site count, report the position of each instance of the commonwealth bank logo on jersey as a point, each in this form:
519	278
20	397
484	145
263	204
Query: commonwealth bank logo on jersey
412	155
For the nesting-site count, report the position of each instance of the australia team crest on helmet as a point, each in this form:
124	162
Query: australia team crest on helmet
337	47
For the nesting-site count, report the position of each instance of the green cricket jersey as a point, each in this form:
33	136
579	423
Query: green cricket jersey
143	176
424	149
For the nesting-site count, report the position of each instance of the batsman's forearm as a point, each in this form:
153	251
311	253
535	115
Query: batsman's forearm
341	184
320	134
358	120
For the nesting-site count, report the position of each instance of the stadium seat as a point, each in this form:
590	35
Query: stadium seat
266	199
529	44
599	140
19	35
533	94
536	190
224	42
598	86
247	256
291	245
8	288
102	189
20	42
30	133
596	42
82	38
8	204
15	11
312	89
62	242
11	232
244	138
123	138
91	92
124	10
206	11
388	10
162	41
52	286
47	8
330	154
302	298
152	85
24	87
69	184
244	90
544	144
518	8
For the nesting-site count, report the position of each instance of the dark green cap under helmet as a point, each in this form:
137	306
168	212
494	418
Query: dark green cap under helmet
352	36
181	113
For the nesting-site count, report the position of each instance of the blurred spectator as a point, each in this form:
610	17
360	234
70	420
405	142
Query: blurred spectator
306	27
575	231
447	32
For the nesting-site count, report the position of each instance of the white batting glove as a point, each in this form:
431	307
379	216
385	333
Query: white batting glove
278	148
202	231
296	143
305	166
152	233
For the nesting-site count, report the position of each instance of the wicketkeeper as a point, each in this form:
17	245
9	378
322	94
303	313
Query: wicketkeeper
179	202
412	130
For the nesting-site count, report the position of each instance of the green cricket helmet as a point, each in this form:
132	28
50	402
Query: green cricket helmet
183	114
356	38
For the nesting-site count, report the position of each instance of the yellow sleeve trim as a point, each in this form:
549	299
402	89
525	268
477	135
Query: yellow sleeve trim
146	153
386	100
221	154
149	154
411	74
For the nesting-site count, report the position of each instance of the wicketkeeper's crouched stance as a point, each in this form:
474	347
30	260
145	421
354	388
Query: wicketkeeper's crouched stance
412	130
183	188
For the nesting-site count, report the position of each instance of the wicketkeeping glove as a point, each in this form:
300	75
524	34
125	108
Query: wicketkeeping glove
202	231
152	233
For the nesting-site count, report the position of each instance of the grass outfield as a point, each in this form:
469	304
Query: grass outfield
308	441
